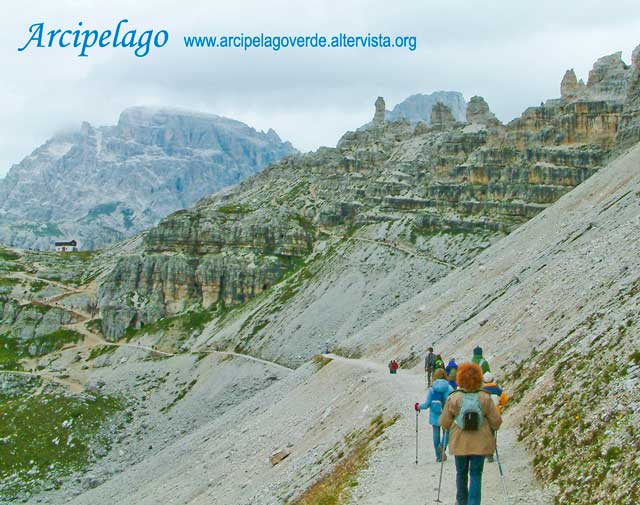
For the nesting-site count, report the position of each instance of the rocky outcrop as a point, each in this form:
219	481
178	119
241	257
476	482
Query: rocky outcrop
570	88
24	325
204	258
478	112
608	78
378	116
629	127
99	185
441	117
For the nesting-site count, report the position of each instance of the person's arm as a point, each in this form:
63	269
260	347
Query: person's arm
427	403
491	412
446	418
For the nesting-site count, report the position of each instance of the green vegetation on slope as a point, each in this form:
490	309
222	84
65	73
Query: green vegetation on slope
12	350
580	419
47	437
335	486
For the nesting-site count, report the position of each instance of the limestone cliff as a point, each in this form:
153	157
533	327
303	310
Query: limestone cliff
482	177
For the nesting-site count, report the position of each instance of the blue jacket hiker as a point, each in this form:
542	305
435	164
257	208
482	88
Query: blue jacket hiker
436	398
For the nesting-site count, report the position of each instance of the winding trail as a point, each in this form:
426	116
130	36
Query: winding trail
393	245
392	475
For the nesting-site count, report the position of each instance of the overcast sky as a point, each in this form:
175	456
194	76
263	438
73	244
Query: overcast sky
513	53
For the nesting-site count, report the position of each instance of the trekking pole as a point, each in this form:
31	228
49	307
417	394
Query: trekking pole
417	412
504	485
441	465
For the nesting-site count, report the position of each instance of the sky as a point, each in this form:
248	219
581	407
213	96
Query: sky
512	53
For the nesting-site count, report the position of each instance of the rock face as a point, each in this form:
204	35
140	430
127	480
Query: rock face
570	88
629	127
608	80
441	117
378	116
417	181
478	112
99	185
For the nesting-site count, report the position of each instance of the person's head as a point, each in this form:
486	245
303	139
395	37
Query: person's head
439	374
469	377
477	351
430	349
487	377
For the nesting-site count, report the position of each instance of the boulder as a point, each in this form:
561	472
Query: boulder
279	455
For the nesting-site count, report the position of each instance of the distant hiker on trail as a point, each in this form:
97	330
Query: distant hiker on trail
499	397
429	365
451	371
436	399
439	362
472	417
479	360
393	366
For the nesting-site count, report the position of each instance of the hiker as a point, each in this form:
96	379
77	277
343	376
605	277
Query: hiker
471	417
393	366
499	397
479	360
451	371
436	399
429	365
439	363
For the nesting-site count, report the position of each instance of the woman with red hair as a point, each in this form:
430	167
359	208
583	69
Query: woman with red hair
472	418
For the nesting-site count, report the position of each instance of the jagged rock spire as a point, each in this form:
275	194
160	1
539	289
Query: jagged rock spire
378	116
478	111
441	117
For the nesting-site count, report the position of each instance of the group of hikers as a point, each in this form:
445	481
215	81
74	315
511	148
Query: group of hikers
464	404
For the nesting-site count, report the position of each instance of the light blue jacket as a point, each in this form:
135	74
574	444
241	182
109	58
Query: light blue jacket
436	397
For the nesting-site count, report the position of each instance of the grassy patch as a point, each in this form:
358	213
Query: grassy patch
55	340
95	325
335	486
10	355
37	286
48	437
186	322
7	255
234	209
321	361
348	353
101	350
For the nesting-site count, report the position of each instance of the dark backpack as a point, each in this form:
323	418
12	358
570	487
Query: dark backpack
470	417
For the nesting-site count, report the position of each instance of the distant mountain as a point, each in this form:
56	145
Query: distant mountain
99	185
418	107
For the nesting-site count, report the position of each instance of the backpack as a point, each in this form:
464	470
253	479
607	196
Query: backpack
470	417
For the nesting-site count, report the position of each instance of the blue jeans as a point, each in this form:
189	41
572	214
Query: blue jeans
469	493
436	441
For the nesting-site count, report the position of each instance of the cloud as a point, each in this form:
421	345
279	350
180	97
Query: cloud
512	53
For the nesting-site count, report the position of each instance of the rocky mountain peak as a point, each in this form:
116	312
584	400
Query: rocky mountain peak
478	112
100	185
